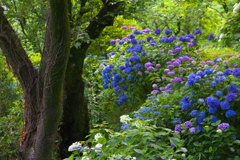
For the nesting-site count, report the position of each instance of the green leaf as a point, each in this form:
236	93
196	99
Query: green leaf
174	141
138	151
77	45
182	149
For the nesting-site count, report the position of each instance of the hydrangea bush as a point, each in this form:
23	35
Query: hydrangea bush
191	110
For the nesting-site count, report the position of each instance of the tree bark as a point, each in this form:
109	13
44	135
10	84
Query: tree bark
27	76
42	92
75	122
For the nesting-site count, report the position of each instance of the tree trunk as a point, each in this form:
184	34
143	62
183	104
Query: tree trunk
75	123
43	91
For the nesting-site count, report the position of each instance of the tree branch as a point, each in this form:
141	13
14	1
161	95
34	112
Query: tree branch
15	54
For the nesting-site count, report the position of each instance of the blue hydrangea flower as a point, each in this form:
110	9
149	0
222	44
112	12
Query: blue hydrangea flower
144	53
213	119
114	84
198	128
202	114
212	110
116	89
200	100
220	79
208	71
117	78
124	126
210	37
105	86
213	84
176	120
236	72
194	113
149	39
135	59
129	77
121	42
198	31
124	87
230	113
133	41
200	120
167	31
132	36
225	105
231	96
219	93
233	88
128	69
138	66
212	102
106	70
227	72
185	106
157	31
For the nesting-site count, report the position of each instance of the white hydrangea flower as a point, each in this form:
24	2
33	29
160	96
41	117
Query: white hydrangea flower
97	136
236	7
75	146
220	37
125	119
99	145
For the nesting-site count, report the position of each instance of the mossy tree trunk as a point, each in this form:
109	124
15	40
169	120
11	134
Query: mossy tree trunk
43	91
58	86
75	123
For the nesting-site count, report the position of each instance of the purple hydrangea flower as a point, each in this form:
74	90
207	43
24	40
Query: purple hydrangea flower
190	44
166	70
155	91
171	73
124	27
178	127
223	126
209	62
210	37
148	64
158	65
188	124
177	80
112	42
144	53
170	67
192	130
150	68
